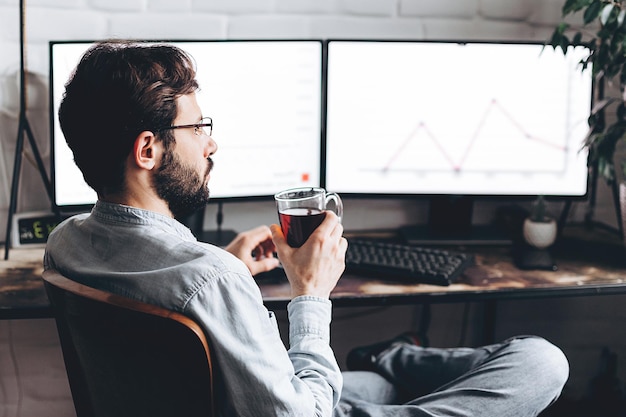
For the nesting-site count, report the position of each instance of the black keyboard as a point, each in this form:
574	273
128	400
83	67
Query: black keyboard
403	262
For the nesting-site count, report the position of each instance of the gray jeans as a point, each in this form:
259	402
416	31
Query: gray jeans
518	377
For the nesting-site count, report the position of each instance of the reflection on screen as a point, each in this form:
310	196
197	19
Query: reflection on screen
461	119
265	101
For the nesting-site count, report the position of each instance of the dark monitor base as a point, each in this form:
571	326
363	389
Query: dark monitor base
528	257
475	235
218	237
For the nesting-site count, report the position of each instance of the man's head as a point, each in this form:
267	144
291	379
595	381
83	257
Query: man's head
118	91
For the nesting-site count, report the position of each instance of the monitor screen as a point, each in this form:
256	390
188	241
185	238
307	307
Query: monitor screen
265	98
449	118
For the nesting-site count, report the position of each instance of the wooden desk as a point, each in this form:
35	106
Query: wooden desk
588	264
22	294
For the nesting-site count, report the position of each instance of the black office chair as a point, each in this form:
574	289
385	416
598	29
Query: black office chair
127	358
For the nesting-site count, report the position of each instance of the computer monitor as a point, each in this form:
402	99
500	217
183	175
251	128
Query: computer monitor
265	98
453	121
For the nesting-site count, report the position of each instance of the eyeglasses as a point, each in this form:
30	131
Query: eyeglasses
198	128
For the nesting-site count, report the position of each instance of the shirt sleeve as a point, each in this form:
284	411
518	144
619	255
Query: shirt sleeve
258	375
310	352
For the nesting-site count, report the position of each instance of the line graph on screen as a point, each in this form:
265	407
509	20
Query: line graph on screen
492	146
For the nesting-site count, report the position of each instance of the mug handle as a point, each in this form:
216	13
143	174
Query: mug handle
338	204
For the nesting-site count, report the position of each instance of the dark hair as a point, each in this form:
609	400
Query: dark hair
118	90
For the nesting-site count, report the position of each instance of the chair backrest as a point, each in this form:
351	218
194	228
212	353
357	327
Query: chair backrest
128	358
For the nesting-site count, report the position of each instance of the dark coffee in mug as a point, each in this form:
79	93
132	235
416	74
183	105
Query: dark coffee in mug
298	223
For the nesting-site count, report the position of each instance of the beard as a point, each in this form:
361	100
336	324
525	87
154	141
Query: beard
180	185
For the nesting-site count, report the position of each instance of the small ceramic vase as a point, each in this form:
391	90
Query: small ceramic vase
540	234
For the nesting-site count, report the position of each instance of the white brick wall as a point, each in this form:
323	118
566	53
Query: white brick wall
368	7
32	380
446	9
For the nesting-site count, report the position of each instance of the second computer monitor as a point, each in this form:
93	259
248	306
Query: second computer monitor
449	118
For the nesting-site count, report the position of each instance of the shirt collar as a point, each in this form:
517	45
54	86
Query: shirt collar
113	212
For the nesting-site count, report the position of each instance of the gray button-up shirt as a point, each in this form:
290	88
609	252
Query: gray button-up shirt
155	259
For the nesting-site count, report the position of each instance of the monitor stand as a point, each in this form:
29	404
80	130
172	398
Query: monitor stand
194	222
450	223
219	237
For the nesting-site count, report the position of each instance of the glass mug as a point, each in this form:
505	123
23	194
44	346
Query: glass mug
301	210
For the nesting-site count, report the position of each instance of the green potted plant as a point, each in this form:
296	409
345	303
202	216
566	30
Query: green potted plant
539	228
603	31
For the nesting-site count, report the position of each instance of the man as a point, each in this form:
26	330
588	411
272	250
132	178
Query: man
131	118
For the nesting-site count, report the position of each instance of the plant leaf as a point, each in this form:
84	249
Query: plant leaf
572	6
620	17
592	12
606	13
606	169
562	27
558	39
577	40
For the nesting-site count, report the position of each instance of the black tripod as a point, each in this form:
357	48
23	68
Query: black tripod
23	128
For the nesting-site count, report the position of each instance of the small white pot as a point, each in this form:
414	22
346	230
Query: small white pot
540	234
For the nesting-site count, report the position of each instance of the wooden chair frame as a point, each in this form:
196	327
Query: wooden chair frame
128	358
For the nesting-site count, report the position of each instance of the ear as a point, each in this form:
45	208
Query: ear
146	150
